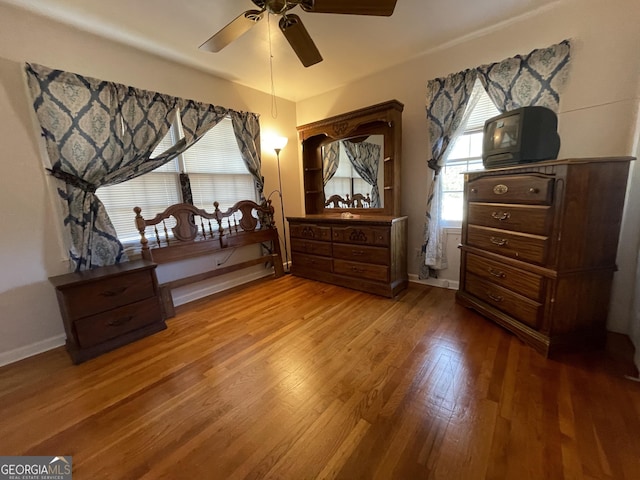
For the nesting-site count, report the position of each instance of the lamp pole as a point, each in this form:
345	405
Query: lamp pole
284	221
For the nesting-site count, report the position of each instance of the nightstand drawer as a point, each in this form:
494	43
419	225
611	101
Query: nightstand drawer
526	247
108	293
361	270
515	279
362	235
521	308
107	325
361	253
521	218
527	189
311	262
311	246
310	232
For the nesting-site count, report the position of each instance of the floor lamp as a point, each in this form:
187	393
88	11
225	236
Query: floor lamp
278	144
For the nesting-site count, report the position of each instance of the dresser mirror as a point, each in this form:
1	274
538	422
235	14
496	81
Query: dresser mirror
351	162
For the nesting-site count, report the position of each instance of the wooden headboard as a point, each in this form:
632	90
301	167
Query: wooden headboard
197	232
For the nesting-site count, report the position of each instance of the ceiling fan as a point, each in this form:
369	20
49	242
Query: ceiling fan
291	24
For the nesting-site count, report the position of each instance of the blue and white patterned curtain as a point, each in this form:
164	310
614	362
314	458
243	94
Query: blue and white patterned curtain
101	133
447	100
246	127
536	79
330	161
365	158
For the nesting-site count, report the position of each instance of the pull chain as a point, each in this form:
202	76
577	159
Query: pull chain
274	104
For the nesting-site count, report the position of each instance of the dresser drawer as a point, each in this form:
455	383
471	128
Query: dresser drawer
520	281
107	325
312	247
361	270
522	218
361	235
108	293
310	232
361	253
527	189
523	246
311	262
521	308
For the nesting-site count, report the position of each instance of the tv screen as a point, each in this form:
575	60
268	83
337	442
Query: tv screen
527	134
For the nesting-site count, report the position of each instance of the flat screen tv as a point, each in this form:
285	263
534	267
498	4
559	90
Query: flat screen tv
527	134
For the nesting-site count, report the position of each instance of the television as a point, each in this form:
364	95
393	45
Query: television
527	134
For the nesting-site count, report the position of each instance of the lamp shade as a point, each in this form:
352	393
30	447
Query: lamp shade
278	143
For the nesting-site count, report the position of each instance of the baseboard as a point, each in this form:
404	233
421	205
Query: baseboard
197	293
435	282
30	350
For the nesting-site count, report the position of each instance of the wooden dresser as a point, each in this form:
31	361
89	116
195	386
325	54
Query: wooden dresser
108	307
539	246
367	253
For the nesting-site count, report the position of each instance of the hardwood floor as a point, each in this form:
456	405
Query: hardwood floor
294	379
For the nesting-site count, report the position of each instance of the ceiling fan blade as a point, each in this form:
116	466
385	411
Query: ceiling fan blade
383	8
241	24
300	40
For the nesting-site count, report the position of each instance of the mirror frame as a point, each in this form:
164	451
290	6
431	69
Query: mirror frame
381	119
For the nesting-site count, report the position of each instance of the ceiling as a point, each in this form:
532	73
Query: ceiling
352	46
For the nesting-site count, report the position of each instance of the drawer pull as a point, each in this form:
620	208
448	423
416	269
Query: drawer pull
120	321
496	273
113	293
474	190
534	190
500	189
357	253
495	298
308	232
501	242
501	216
357	270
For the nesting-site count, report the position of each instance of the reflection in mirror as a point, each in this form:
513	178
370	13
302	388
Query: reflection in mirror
352	174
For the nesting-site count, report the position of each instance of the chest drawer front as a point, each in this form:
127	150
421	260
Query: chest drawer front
527	189
310	232
515	279
520	218
107	325
109	293
521	308
361	253
362	235
361	270
529	248
311	246
311	262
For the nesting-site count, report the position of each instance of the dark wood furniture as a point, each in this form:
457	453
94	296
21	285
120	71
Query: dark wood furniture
383	119
108	307
198	232
539	246
365	253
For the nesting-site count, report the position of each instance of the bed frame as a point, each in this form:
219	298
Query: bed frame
198	232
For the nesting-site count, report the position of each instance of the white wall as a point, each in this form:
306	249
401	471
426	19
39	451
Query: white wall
32	248
597	110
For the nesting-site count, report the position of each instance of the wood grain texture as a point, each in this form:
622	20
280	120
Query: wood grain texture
295	379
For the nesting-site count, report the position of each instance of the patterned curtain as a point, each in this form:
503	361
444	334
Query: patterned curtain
101	133
365	158
534	79
330	161
246	127
447	99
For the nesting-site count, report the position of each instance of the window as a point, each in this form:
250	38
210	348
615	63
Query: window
216	173
465	155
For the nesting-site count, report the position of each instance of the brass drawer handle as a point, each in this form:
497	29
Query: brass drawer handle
501	242
120	321
474	190
495	298
308	232
534	190
501	215
357	270
113	293
496	273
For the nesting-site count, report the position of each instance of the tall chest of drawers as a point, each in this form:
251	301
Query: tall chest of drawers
539	246
108	307
367	253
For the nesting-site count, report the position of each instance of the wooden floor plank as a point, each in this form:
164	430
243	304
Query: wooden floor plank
294	379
